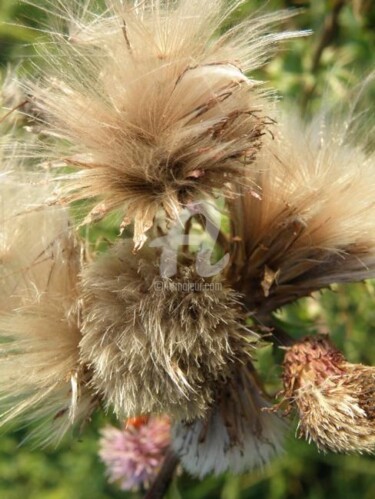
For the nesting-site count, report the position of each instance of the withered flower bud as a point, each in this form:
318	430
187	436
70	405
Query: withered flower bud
335	399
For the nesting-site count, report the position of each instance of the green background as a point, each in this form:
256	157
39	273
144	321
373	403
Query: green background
74	471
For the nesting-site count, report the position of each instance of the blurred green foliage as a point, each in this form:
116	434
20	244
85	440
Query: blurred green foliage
301	72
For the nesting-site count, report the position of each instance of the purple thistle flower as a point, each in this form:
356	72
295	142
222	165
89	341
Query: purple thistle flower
133	455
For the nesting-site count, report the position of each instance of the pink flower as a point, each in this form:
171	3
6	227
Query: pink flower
133	455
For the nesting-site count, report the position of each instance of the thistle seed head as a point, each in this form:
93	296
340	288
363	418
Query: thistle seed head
155	107
312	223
158	344
41	379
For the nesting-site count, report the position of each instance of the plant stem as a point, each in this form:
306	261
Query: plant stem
163	480
278	335
331	27
330	30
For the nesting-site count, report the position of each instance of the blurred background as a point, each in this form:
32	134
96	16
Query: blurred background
338	55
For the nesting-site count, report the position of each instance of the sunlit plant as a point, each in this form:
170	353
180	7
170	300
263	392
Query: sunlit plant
227	207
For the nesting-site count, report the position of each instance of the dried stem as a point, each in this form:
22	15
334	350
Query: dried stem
281	337
19	106
277	333
330	30
164	478
221	240
331	26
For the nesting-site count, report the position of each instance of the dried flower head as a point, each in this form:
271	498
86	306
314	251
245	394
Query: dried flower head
335	400
156	344
155	105
236	434
133	455
40	376
313	223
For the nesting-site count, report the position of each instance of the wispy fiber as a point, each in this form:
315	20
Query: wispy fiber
41	379
313	222
153	346
154	103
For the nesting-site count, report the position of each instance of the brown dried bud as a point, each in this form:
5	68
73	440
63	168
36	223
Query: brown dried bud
335	400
